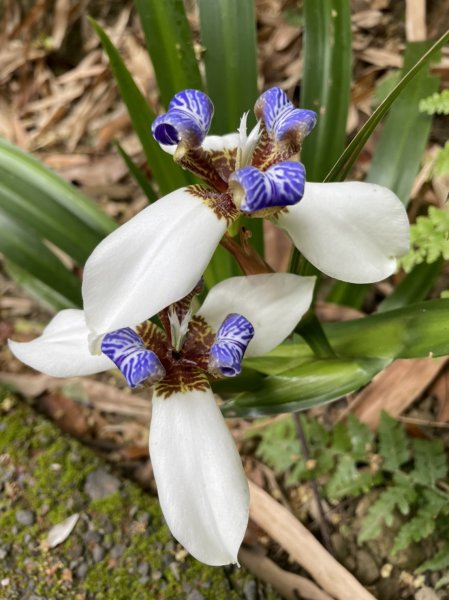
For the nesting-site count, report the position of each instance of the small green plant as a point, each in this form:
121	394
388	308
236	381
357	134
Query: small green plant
348	461
441	166
436	104
429	238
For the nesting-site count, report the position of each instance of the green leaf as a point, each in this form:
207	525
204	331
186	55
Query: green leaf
165	172
382	510
398	154
37	289
326	81
20	245
348	480
436	104
423	523
36	197
414	286
342	167
313	383
442	582
438	562
430	461
228	35
416	331
393	446
279	447
135	171
169	42
442	161
361	438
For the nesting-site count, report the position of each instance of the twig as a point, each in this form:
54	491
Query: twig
303	547
289	585
322	521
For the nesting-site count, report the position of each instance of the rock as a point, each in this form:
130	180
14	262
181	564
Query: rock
25	517
117	551
98	553
250	590
195	595
100	484
426	593
367	571
81	571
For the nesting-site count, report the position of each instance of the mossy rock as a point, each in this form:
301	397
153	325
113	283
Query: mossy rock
120	547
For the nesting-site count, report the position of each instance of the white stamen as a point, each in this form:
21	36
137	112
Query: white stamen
178	329
247	143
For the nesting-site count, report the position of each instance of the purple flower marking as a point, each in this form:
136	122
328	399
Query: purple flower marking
127	350
231	341
188	118
281	118
280	185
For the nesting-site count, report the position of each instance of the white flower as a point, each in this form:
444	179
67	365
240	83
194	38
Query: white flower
351	231
202	488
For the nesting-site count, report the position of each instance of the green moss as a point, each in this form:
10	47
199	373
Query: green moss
49	472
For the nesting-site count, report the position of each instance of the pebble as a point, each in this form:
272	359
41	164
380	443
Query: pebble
3	552
81	571
100	484
25	517
117	551
98	553
92	536
143	568
195	595
250	590
426	593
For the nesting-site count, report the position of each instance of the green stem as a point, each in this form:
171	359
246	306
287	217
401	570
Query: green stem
313	333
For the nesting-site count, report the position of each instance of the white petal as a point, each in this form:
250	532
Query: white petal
202	488
220	142
273	303
60	532
216	143
62	350
352	231
153	260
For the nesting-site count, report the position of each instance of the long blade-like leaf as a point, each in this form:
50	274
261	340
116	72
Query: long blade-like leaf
326	83
169	42
228	34
164	171
349	156
26	170
309	385
297	380
20	245
404	137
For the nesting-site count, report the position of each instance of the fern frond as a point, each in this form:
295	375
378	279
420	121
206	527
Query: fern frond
441	166
423	523
348	480
393	446
437	103
430	461
438	562
382	511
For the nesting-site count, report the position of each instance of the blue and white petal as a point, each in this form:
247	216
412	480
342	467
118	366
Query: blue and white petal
282	120
231	341
188	119
201	485
273	303
280	185
62	349
150	262
129	354
352	231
